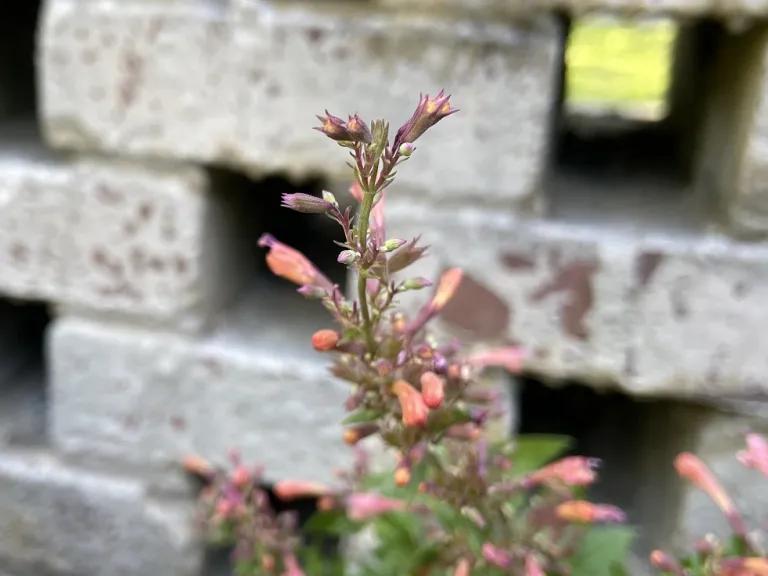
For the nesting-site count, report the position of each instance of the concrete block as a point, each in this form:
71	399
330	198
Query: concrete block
149	399
152	242
654	315
35	220
240	86
60	521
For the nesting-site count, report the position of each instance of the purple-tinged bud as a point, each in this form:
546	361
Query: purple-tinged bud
329	197
439	363
428	113
334	127
392	244
406	149
402	357
348	257
358	130
414	284
312	292
306	203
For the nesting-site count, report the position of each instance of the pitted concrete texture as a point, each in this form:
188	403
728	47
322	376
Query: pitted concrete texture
654	314
60	521
240	85
627	8
149	399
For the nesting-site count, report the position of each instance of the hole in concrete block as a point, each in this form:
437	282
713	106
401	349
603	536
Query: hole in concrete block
267	309
23	397
628	126
18	96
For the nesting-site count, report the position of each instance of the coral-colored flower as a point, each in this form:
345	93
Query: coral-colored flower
241	477
357	192
496	556
198	466
288	490
415	411
292	265
571	471
292	567
756	454
428	113
532	566
587	512
378	222
509	358
463	568
432	389
402	476
446	288
365	505
744	567
691	468
665	562
325	340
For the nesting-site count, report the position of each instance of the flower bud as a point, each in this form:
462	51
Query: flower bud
348	257
198	466
406	149
402	476
432	389
325	340
571	471
334	127
358	130
414	284
241	477
582	511
330	198
353	435
428	113
496	556
306	203
312	292
532	566
365	505
415	411
665	562
392	244
288	490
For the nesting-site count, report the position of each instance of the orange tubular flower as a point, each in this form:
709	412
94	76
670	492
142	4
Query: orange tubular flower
288	490
446	288
572	471
462	568
532	566
509	358
415	410
325	340
691	468
432	389
586	512
288	263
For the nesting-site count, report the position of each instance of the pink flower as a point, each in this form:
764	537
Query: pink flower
432	389
496	556
532	567
288	490
509	358
756	454
292	567
378	226
365	505
292	265
585	512
691	468
446	288
571	471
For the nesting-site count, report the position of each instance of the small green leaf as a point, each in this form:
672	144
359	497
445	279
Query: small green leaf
331	522
535	450
361	417
602	551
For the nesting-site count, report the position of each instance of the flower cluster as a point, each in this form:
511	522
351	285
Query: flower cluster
743	554
476	506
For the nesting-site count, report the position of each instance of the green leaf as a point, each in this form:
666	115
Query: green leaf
331	522
361	417
535	450
602	551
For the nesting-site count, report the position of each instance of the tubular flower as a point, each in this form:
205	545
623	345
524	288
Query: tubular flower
292	265
428	113
365	505
415	410
462	568
756	454
288	490
665	562
496	556
586	512
744	567
446	288
691	468
354	435
571	471
432	389
509	358
532	566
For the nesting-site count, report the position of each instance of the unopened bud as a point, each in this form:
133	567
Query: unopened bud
325	340
330	198
406	149
432	389
415	284
359	130
392	244
582	511
348	257
312	292
402	476
353	435
241	477
415	411
306	203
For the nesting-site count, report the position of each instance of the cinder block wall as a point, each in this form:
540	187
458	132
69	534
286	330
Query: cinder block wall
143	147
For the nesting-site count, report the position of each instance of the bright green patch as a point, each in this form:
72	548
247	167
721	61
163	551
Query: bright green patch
619	63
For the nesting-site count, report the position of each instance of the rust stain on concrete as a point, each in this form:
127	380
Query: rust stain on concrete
477	310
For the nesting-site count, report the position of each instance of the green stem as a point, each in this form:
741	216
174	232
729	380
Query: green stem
362	295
